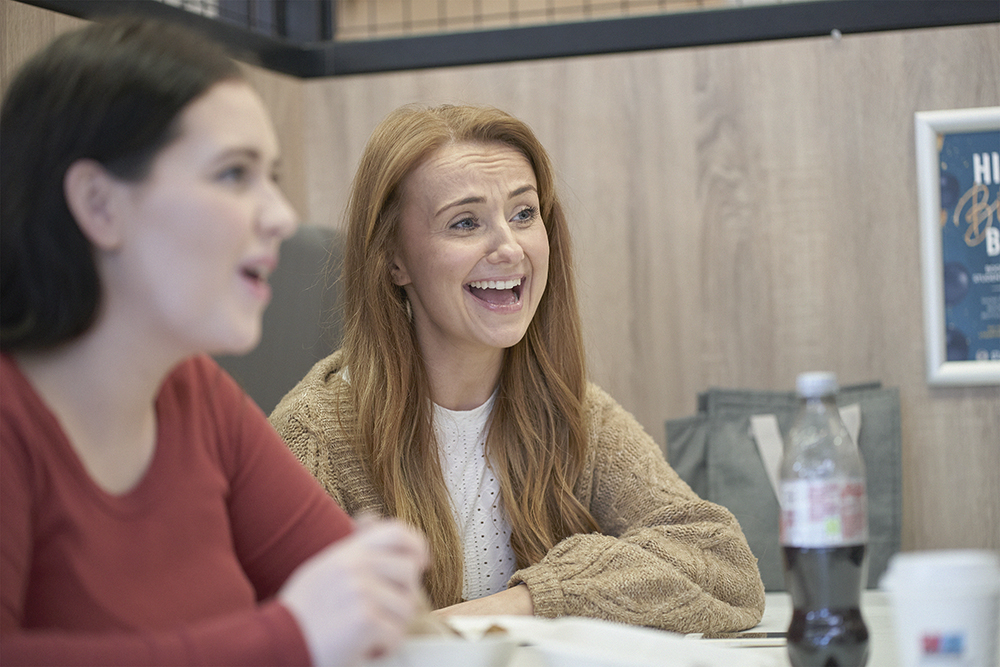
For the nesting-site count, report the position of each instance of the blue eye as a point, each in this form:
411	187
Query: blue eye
526	214
465	224
235	173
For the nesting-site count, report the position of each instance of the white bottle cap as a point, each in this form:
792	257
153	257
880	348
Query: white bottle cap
816	384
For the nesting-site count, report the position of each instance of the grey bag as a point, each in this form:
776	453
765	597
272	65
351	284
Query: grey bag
715	452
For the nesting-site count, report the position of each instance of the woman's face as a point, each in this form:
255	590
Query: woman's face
204	227
473	252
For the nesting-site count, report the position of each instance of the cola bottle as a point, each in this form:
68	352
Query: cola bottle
824	531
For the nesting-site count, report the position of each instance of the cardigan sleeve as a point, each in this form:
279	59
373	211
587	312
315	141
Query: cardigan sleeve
310	419
664	558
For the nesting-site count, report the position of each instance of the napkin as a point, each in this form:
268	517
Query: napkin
588	642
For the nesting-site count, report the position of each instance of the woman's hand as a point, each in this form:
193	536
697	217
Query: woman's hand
514	601
354	599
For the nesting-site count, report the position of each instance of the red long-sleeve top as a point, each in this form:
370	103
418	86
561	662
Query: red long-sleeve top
182	569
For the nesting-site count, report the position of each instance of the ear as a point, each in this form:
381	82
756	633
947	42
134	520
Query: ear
90	190
397	269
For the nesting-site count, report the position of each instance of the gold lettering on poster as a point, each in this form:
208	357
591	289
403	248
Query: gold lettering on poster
975	210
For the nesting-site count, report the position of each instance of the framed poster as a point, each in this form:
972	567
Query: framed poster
958	178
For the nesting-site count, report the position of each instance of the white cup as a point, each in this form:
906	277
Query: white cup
946	607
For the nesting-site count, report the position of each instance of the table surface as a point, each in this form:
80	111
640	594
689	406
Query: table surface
875	609
575	642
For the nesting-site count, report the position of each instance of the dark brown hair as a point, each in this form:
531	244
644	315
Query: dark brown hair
110	92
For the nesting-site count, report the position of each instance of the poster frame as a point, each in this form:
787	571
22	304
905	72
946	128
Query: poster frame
929	127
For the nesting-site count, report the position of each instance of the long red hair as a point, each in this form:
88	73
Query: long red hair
536	443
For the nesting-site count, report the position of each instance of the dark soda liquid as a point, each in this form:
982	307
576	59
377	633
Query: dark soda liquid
825	586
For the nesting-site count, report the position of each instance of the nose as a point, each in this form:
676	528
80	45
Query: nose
277	216
505	248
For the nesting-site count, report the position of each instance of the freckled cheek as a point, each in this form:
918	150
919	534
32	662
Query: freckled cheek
540	283
540	263
460	267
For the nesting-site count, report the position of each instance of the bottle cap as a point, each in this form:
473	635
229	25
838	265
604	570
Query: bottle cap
816	384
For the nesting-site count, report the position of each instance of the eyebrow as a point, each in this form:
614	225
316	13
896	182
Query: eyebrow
239	151
479	200
245	152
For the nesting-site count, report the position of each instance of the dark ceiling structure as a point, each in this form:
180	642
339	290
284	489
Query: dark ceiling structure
299	39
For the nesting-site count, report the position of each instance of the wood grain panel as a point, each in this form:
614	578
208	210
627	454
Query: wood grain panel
740	213
282	96
25	29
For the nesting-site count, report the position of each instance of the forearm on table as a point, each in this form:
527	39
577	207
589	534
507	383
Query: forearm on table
645	582
515	600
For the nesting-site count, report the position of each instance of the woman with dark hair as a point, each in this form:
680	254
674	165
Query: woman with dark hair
149	512
459	401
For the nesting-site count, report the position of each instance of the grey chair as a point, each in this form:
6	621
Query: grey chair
302	323
716	453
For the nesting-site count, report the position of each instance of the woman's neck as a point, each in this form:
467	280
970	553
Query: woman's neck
463	382
103	389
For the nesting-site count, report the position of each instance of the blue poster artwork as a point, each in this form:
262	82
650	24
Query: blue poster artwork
970	244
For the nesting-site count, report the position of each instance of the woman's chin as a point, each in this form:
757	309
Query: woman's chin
239	343
505	342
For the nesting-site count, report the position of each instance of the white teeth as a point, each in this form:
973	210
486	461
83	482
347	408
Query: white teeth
495	284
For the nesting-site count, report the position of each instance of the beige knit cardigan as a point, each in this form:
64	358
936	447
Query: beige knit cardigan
664	557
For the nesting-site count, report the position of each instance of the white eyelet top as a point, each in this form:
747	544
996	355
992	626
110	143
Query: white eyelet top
475	499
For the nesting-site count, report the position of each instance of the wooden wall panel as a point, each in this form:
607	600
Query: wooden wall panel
25	28
282	95
740	213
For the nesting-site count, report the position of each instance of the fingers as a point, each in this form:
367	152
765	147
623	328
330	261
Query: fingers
394	550
392	534
356	597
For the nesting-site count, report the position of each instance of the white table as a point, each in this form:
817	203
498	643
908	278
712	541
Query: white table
574	642
875	609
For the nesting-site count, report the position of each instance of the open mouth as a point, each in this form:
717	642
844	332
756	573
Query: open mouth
254	274
497	292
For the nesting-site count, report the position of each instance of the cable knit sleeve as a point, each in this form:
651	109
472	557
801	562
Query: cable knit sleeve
310	419
665	558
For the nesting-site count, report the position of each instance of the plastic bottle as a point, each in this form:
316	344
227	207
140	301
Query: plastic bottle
824	531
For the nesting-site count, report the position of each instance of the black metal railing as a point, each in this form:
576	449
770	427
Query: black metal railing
298	37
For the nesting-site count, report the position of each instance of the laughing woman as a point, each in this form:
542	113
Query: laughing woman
149	514
459	401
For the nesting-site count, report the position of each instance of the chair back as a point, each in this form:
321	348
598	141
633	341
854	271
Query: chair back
301	325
